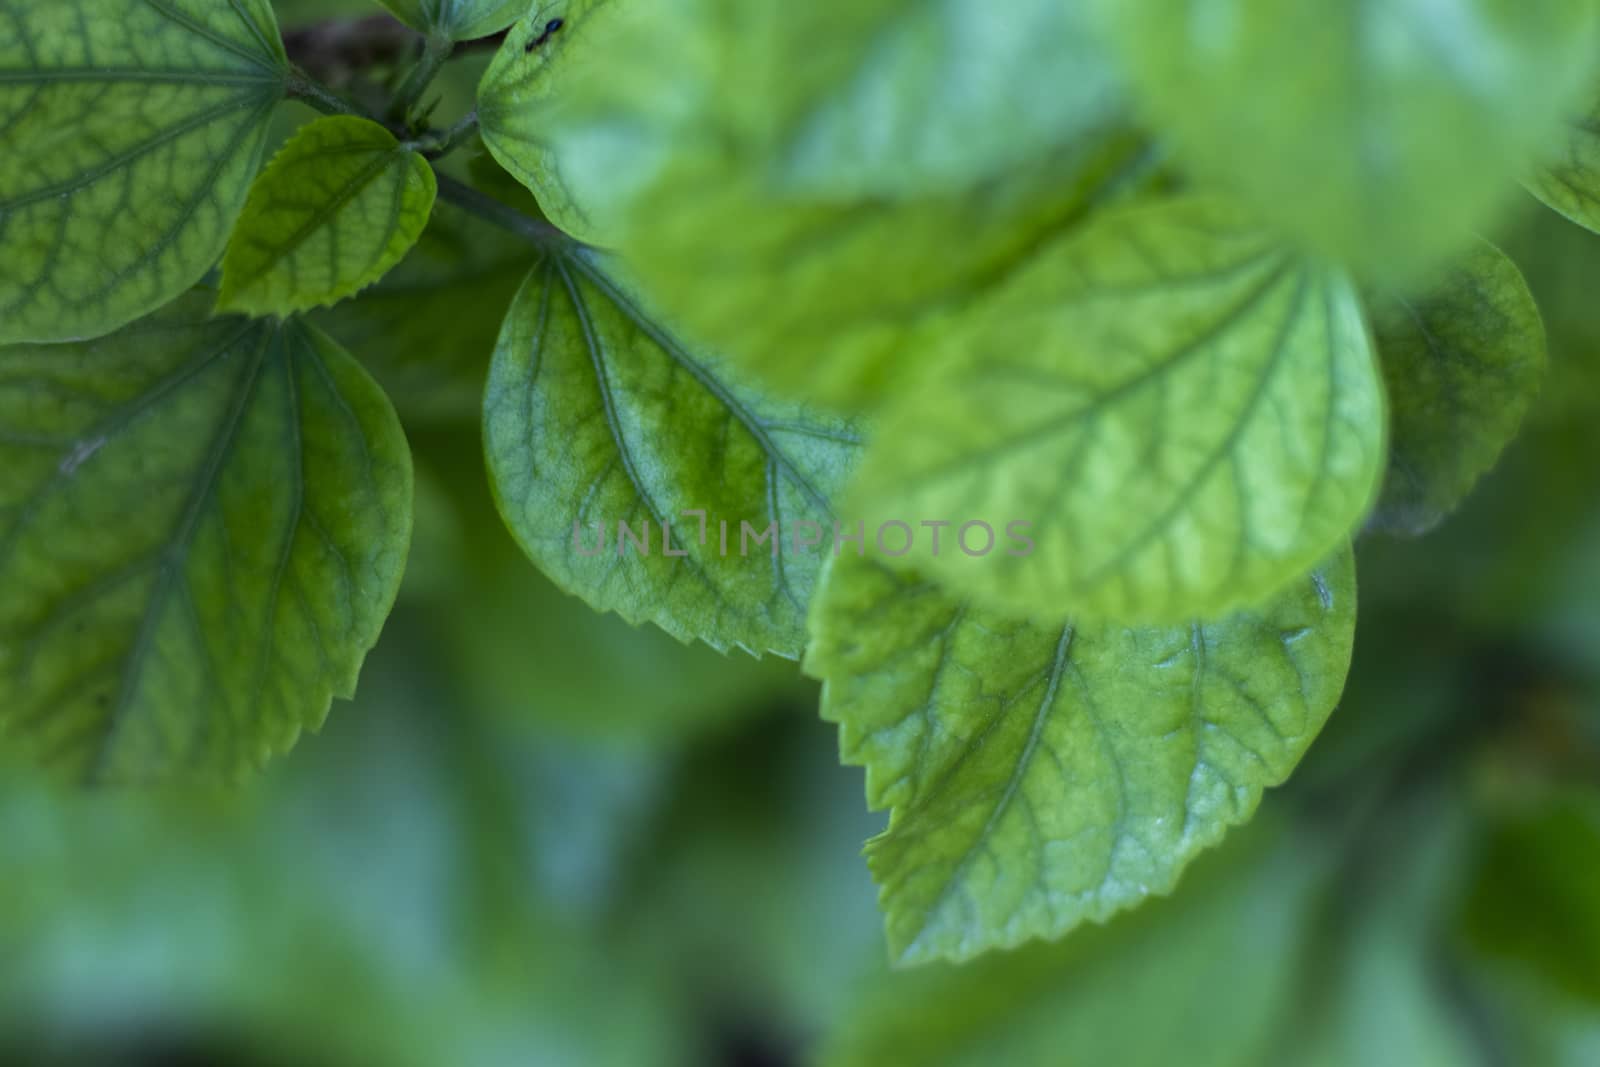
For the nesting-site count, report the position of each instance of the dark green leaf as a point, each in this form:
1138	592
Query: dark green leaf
203	523
1463	362
129	132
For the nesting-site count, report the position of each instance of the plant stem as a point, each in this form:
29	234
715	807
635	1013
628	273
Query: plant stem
302	86
453	138
435	51
537	232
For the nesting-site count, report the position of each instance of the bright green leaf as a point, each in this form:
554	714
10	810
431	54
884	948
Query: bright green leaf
1379	133
458	20
1040	776
598	414
337	208
203	524
877	163
426	331
1187	416
129	132
1463	363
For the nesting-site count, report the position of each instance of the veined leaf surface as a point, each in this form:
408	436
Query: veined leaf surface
129	132
598	413
203	524
1040	776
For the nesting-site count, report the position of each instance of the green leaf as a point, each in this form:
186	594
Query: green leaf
1535	894
426	331
337	208
1043	775
129	131
1206	979
203	523
1187	416
878	163
1381	134
457	20
1569	182
598	413
1463	363
524	651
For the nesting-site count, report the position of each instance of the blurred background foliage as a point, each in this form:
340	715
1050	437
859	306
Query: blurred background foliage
542	837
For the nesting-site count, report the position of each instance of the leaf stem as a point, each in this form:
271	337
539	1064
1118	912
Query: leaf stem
449	140
435	51
301	86
536	232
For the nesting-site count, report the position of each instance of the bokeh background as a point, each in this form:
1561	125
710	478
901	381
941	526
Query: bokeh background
542	837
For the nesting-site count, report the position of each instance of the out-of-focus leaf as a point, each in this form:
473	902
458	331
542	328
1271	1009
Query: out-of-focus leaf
1570	181
735	150
129	132
375	902
1040	776
1463	362
203	524
427	330
1203	978
1535	895
337	208
458	20
1188	417
598	413
1380	134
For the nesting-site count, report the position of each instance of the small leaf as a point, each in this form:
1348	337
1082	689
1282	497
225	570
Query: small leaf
1187	416
1463	363
129	132
1570	183
598	414
1044	775
203	524
337	208
878	163
457	20
426	331
1378	133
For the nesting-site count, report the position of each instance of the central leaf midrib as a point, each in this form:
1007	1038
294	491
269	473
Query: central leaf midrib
359	183
176	555
753	425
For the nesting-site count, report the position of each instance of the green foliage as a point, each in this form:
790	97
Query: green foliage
1463	362
1218	964
1188	416
129	132
338	207
1377	133
457	20
654	126
1177	300
205	526
1569	182
599	414
1534	892
1041	776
